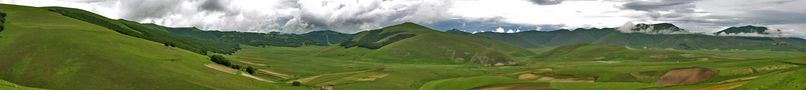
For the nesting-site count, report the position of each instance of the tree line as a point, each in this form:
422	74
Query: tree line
218	59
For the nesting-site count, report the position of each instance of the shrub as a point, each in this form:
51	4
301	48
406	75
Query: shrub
235	66
296	83
250	70
220	60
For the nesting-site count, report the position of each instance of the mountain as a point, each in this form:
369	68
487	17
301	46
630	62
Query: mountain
611	36
327	37
321	38
413	43
45	49
660	28
749	29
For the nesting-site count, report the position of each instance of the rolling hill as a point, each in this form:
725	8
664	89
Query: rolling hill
44	49
412	43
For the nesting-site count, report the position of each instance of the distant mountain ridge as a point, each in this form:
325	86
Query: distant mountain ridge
749	29
612	36
660	28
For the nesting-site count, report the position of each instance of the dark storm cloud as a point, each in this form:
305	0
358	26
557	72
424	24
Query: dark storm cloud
660	5
546	2
212	5
783	1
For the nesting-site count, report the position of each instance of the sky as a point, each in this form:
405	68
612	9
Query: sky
351	16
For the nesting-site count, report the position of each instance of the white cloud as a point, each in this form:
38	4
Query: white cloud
572	14
297	16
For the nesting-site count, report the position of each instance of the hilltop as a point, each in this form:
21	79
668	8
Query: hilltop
660	28
749	29
413	43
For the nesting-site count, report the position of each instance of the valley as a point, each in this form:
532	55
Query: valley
65	48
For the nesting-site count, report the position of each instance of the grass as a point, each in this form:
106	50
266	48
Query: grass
5	85
423	45
789	80
601	86
341	67
43	49
466	83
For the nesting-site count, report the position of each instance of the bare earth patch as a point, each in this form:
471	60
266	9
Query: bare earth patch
527	76
726	86
252	63
226	69
269	72
373	77
515	86
221	68
686	76
308	79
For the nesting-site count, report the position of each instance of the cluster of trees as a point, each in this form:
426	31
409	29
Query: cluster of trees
2	21
218	59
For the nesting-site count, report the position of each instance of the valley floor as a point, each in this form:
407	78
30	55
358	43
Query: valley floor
314	68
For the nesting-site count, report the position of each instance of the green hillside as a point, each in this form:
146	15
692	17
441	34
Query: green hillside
44	49
412	43
151	32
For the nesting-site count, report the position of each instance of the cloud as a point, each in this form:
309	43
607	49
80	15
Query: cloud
660	5
143	9
350	16
212	5
546	2
670	10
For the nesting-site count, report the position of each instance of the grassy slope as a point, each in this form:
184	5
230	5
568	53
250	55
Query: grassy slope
5	85
342	69
431	46
150	32
48	50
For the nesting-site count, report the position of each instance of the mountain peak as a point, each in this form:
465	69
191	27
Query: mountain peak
659	28
749	29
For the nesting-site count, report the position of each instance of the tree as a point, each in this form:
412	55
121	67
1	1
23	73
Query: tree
220	60
296	83
236	66
250	70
